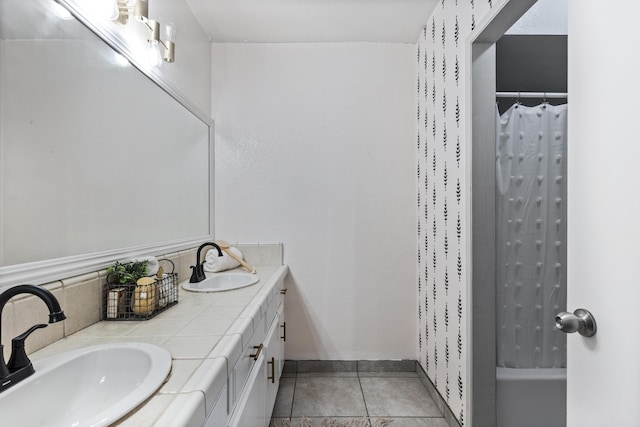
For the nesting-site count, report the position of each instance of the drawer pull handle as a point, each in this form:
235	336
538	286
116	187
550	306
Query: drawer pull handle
273	370
283	291
258	350
284	331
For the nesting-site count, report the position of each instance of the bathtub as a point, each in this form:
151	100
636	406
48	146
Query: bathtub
531	397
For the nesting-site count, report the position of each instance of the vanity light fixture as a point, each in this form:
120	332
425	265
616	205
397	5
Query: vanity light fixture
153	37
169	51
139	9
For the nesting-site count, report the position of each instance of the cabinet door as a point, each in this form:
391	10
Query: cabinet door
218	416
272	374
250	411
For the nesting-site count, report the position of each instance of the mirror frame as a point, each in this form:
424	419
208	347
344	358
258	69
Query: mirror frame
46	271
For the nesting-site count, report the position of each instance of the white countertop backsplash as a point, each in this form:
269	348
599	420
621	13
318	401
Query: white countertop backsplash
203	333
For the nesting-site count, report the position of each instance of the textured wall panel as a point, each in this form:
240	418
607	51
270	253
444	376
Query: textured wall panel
442	149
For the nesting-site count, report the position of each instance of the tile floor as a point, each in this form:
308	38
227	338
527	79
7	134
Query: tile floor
354	398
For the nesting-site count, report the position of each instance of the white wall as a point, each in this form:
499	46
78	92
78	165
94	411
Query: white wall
315	148
444	198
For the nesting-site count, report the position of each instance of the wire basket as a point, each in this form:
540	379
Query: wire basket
133	301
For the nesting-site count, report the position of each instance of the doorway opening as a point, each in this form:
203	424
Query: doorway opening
519	104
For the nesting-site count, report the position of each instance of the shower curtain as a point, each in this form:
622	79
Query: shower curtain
531	235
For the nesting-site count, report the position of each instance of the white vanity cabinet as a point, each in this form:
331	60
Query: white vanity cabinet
229	384
253	382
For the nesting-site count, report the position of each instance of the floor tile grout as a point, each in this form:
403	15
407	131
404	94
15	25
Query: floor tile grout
364	399
293	397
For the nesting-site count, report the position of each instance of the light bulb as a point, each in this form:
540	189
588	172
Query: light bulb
155	59
170	32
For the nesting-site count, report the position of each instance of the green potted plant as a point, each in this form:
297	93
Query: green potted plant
128	272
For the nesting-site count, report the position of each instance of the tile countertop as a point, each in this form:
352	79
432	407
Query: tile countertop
203	333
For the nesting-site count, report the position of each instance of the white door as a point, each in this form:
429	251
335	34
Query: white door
603	387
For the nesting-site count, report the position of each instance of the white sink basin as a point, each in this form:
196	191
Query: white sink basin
216	282
92	386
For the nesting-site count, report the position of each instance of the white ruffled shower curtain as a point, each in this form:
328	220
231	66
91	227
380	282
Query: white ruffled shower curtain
531	235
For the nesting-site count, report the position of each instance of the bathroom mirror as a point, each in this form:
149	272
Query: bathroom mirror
98	161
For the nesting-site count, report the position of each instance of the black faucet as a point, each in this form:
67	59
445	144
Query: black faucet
19	366
197	271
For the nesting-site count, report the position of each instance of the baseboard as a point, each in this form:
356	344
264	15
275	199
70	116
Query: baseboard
306	366
444	409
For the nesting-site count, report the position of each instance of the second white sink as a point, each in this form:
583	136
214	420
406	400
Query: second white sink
216	282
88	387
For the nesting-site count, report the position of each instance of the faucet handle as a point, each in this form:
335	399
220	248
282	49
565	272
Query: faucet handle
19	357
194	274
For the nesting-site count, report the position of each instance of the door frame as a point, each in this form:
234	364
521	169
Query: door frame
481	81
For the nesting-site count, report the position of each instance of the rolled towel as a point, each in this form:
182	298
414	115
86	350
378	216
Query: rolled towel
214	263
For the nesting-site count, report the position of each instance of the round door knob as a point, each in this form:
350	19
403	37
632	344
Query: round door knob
580	321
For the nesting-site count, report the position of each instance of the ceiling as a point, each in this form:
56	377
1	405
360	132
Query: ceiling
298	21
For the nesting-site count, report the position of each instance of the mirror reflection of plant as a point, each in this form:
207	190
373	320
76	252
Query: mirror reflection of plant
128	272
